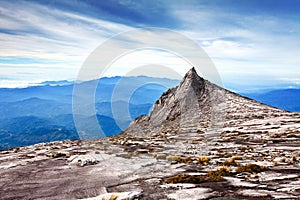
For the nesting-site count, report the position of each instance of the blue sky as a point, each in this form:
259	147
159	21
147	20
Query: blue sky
254	44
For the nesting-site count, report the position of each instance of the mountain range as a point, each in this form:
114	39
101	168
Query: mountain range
44	113
286	99
199	141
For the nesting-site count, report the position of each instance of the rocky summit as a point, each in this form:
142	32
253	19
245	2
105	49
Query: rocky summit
200	141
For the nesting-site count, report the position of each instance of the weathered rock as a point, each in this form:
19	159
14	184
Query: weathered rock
117	196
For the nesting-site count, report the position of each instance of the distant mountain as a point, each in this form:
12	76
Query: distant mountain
44	113
108	125
29	130
23	131
34	107
56	93
63	93
286	99
57	83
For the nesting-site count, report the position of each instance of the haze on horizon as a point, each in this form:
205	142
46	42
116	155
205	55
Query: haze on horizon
254	44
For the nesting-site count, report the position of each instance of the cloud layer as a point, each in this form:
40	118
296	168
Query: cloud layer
249	41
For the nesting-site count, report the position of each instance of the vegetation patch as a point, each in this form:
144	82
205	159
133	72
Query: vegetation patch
211	176
294	157
56	155
232	161
245	148
112	197
251	168
30	156
195	160
186	178
203	160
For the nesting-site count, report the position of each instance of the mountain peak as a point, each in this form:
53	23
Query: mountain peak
191	72
192	81
192	75
183	106
195	106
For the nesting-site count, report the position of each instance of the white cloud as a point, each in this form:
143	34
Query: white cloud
147	59
244	47
295	81
241	46
38	32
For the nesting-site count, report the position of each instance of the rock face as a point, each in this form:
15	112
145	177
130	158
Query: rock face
196	106
193	105
254	153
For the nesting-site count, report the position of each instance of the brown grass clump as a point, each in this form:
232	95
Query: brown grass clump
159	155
75	152
211	176
224	171
69	154
218	175
294	157
27	156
16	150
185	178
251	168
245	148
196	141
113	197
181	159
173	158
55	155
232	161
291	135
203	160
79	152
275	163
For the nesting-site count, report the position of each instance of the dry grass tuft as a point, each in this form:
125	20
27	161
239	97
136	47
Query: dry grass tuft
203	160
251	168
211	176
232	161
173	158
113	197
186	178
182	159
159	155
294	157
16	150
291	135
55	155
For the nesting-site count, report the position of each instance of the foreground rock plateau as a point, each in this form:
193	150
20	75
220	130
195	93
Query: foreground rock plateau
200	141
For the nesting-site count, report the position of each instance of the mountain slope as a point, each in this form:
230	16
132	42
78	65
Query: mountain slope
196	105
